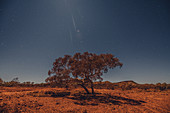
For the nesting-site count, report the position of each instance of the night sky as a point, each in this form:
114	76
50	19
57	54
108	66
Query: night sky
33	33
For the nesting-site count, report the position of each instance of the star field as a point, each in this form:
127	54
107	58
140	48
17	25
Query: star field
34	33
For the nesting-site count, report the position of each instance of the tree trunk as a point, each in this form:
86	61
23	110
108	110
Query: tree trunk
92	88
84	88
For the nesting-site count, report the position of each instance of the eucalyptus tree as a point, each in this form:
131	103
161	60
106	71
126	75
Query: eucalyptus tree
82	69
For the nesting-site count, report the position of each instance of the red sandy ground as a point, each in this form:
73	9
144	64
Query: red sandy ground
30	100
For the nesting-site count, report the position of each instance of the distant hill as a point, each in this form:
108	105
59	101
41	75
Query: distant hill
110	85
128	82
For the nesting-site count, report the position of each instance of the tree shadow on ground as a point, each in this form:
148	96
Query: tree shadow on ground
88	99
58	94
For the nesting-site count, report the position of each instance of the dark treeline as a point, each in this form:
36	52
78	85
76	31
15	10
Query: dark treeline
15	83
125	85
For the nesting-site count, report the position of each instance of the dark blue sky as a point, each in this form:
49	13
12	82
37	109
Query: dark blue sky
33	33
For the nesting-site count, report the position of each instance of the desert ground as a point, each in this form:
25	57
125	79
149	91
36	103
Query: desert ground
60	100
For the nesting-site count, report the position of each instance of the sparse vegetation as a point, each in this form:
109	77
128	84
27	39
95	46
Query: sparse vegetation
1	81
76	100
126	96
